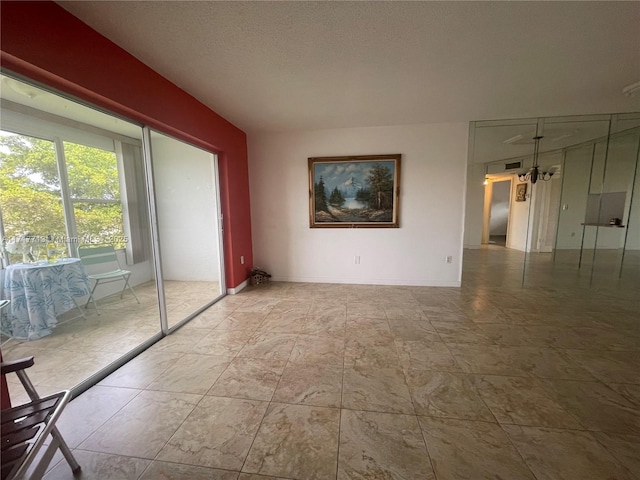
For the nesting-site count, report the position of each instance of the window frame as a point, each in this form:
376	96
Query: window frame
38	124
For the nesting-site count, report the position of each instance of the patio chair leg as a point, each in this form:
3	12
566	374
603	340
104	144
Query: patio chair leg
78	307
126	284
92	298
55	433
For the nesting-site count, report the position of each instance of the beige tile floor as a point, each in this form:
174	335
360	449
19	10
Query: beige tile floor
78	348
319	381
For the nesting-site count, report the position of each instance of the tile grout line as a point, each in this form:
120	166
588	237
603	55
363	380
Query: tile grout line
344	354
269	403
203	396
424	440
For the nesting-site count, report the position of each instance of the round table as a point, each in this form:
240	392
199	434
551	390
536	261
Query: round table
39	293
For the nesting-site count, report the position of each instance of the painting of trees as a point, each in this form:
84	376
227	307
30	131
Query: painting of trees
320	197
354	191
380	182
337	198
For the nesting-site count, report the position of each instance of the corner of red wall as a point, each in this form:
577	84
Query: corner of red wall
45	43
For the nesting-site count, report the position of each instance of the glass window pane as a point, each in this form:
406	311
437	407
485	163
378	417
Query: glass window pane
92	172
99	223
29	190
188	229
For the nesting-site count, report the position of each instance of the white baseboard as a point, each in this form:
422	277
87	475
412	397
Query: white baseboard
239	288
472	247
373	281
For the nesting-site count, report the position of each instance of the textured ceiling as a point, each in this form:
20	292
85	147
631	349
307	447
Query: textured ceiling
276	66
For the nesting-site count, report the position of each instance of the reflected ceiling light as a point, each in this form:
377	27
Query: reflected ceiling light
562	137
513	139
21	88
486	178
534	173
631	90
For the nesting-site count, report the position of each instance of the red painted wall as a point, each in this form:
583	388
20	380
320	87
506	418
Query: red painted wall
44	42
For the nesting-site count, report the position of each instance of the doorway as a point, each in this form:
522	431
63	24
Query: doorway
499	212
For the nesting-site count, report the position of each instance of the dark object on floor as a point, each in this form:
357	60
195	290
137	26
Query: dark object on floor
26	427
259	276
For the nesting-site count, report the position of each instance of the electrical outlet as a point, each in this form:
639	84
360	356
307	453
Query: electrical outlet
242	259
357	260
448	259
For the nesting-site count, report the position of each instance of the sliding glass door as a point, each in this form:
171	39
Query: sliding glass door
188	226
83	193
72	178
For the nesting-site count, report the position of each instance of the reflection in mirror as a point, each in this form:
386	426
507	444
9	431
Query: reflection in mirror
499	150
613	219
186	196
578	225
581	172
625	121
558	203
70	176
630	268
576	173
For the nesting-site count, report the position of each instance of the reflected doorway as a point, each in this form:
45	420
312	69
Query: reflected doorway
500	204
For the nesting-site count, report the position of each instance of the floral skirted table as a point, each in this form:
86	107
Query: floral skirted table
39	293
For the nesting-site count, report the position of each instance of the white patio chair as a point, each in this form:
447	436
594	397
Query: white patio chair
105	256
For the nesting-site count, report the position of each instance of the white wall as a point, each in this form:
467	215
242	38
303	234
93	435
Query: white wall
517	237
549	214
432	192
187	210
474	206
576	174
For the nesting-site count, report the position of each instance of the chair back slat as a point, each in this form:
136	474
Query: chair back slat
94	255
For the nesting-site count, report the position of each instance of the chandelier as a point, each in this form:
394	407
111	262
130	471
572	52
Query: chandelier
535	173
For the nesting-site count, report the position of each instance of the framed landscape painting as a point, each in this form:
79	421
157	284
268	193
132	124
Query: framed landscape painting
354	192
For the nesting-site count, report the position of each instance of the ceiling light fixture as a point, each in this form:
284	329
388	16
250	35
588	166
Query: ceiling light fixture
534	174
631	90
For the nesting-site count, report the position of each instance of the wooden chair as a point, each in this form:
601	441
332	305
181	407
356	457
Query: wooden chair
105	256
26	427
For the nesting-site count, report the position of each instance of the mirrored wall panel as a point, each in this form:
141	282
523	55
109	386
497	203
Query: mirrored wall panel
76	257
560	201
498	150
188	225
614	241
578	147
